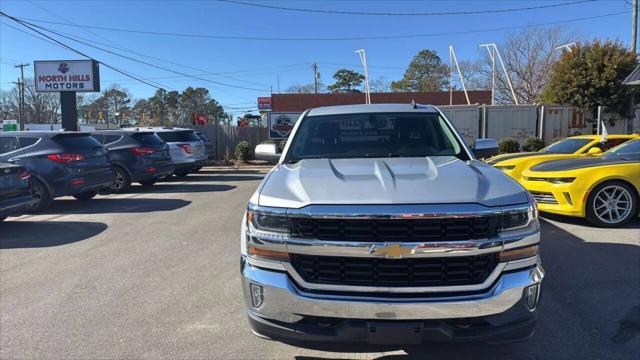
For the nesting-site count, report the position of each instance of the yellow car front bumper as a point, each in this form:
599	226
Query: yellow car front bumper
563	199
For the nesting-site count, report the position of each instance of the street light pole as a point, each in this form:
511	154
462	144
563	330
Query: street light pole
363	59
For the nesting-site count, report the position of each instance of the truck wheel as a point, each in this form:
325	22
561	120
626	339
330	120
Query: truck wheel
612	204
87	195
121	180
41	197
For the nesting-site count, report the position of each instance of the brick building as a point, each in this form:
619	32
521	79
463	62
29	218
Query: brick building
301	102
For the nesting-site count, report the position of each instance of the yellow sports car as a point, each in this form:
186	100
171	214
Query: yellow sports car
572	147
604	189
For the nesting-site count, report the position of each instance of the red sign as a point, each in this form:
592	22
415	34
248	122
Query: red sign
199	119
264	103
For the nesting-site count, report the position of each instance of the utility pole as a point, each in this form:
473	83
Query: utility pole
21	88
634	26
315	77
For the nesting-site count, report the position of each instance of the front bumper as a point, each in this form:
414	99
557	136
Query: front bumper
568	199
498	313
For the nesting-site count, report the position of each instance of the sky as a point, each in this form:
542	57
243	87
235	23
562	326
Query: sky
254	67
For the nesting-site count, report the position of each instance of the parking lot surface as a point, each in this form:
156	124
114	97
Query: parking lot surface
155	274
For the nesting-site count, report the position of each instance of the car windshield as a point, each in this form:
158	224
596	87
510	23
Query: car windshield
373	136
630	149
77	141
566	146
178	136
148	138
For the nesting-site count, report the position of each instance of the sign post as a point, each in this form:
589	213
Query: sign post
67	77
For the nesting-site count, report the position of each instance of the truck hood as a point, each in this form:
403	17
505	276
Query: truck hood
430	180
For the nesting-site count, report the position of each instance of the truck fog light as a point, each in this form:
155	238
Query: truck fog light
257	295
532	296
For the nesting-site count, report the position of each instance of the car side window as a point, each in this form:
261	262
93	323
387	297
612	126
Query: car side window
100	138
27	141
8	144
611	144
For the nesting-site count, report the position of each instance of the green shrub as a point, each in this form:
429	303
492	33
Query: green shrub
508	145
243	151
532	143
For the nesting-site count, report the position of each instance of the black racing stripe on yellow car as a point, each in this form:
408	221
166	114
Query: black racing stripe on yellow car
573	164
512	156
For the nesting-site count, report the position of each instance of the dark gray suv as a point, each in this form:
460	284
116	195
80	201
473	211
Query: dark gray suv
60	163
139	156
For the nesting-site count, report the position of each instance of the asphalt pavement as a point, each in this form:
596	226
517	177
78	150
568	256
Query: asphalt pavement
155	274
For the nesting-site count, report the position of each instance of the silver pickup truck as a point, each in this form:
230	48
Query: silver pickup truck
378	226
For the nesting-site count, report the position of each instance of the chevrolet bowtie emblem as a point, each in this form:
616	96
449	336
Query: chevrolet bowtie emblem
395	251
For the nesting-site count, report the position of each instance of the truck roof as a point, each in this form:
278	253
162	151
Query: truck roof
371	108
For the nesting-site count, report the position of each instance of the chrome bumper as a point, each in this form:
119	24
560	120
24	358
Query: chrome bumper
284	301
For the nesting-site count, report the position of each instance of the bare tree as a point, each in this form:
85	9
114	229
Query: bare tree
472	75
40	108
528	55
8	105
380	85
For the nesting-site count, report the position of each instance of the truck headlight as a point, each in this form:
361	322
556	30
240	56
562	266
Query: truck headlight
521	221
268	225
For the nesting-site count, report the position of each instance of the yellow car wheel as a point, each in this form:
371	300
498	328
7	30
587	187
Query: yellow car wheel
611	204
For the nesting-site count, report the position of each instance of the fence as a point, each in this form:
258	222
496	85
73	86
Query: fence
521	121
226	137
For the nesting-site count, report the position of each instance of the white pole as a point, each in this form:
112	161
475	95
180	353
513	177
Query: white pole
455	60
513	93
363	59
493	71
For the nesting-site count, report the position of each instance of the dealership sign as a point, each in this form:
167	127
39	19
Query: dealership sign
264	103
69	75
281	124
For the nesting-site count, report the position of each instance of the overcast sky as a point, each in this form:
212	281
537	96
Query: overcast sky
256	64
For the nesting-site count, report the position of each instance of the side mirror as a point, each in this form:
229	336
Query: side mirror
594	151
267	152
485	148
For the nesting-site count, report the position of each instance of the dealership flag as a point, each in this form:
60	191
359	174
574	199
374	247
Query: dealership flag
603	137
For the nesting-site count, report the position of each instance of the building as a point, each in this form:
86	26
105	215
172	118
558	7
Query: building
301	102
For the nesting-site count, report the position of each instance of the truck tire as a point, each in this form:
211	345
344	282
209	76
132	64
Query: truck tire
611	204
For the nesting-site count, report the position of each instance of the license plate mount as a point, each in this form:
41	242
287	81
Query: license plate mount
394	333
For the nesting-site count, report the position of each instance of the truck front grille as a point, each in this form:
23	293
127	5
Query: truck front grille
402	230
445	271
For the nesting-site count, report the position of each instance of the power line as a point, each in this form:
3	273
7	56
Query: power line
144	62
203	72
357	38
341	12
74	50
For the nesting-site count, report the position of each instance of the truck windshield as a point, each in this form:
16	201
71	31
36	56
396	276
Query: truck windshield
373	136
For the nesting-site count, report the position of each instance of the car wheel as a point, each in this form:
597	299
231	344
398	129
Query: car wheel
87	195
41	197
181	173
611	204
148	182
121	180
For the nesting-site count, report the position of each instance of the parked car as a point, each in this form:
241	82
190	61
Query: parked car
136	156
569	148
186	148
15	195
208	145
605	190
60	163
378	225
